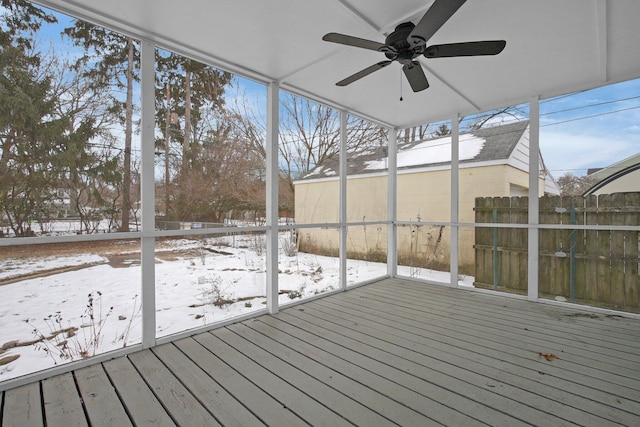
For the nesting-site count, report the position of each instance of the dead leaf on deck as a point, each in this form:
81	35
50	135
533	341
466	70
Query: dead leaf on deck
548	356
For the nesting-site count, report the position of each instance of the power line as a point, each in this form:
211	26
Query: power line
590	105
544	101
592	116
597	104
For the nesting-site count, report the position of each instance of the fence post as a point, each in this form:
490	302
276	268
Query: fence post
631	212
495	250
572	255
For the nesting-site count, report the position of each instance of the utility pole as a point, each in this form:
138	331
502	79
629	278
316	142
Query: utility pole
167	178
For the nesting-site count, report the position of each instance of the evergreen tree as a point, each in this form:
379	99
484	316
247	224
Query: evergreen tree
116	69
29	136
443	130
50	120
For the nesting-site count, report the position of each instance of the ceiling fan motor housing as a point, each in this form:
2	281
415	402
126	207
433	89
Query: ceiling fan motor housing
398	41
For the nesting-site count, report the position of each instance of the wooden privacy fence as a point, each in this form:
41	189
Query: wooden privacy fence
598	267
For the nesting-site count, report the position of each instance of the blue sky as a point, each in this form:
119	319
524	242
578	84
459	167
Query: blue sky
595	128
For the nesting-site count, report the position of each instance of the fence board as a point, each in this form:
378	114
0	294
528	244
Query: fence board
603	289
578	203
591	250
546	245
617	249
632	246
522	239
484	242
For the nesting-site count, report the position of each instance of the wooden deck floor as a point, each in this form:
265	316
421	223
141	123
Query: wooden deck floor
391	353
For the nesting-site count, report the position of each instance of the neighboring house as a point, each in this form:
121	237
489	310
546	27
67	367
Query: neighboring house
62	204
493	162
620	177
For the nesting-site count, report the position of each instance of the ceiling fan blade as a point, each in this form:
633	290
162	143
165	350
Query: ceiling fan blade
362	73
490	47
439	13
415	75
354	41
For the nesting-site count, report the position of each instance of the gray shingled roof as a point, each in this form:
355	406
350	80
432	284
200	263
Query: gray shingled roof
500	143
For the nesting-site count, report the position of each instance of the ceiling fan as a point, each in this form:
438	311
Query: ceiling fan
409	41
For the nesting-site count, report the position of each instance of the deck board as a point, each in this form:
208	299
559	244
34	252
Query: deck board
62	404
101	401
140	402
183	406
455	385
227	410
421	395
22	407
395	352
336	388
269	410
291	397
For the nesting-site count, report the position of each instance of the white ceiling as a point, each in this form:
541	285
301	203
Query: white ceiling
553	47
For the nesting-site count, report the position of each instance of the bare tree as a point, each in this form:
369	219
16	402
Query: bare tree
466	123
188	92
309	135
225	177
572	185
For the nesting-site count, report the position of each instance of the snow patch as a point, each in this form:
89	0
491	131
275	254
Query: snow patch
431	152
321	171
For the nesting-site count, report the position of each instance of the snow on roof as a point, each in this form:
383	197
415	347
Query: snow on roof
321	171
430	152
491	144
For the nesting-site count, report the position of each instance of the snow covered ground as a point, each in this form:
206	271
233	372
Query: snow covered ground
89	304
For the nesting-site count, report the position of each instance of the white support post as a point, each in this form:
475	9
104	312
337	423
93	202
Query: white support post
273	120
455	190
147	83
534	201
343	200
392	205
